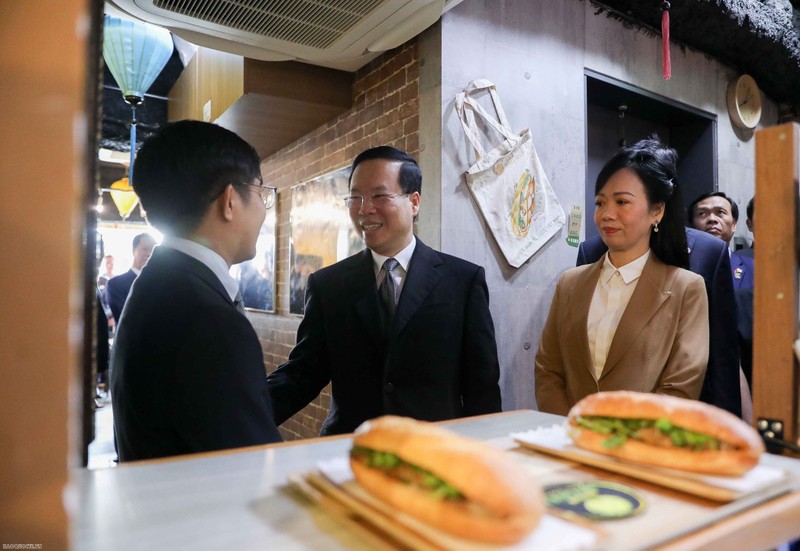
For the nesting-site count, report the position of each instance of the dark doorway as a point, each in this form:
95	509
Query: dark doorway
691	131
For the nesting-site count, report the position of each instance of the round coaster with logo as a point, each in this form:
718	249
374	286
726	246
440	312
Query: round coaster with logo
595	499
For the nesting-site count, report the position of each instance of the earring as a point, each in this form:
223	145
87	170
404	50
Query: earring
655	226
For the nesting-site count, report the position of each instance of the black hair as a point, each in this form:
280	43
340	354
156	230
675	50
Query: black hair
138	239
410	174
734	206
750	208
185	166
656	166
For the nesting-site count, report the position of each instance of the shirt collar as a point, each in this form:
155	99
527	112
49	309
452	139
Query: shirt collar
136	271
403	257
630	272
208	257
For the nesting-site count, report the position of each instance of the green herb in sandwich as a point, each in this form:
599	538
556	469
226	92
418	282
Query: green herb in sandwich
395	467
658	432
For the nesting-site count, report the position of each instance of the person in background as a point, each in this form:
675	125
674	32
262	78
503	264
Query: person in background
398	328
636	319
744	304
119	287
748	251
708	257
108	272
104	311
718	214
187	369
102	325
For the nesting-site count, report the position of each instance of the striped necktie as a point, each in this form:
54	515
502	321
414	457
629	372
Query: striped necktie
388	289
238	302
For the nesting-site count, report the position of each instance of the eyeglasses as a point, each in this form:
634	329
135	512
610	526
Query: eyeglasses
267	194
378	201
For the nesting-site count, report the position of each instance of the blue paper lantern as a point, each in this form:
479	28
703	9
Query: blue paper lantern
135	53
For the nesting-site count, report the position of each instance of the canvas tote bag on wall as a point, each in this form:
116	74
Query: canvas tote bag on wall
508	182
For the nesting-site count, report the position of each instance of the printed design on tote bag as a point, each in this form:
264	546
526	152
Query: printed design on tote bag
523	204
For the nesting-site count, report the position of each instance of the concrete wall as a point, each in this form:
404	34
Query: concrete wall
536	51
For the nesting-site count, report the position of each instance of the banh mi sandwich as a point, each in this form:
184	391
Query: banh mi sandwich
459	485
656	429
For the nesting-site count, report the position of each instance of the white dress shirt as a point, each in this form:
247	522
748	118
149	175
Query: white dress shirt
208	257
399	274
611	296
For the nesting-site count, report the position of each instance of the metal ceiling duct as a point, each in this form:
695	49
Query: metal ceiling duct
331	33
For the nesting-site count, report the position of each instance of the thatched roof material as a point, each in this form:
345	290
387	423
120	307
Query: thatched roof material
758	37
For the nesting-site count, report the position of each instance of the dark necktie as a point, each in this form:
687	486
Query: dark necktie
238	302
388	289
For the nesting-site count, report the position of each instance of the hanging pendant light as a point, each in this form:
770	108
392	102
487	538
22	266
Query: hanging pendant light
124	197
135	53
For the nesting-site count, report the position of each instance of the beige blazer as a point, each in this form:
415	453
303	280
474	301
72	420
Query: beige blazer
661	343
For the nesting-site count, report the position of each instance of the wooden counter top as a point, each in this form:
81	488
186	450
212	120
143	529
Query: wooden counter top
239	500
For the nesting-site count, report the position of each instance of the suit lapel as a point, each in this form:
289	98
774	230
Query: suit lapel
363	290
650	294
424	272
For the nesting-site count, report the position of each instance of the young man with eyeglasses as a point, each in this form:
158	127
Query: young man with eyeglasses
187	371
396	329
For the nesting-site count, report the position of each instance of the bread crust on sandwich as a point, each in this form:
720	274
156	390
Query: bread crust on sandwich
503	502
741	452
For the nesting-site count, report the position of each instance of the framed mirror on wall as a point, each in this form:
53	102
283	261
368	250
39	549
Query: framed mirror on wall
256	277
320	231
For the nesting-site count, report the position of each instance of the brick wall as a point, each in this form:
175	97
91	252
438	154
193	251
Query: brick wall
385	111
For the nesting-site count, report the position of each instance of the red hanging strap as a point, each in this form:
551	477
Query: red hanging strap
666	62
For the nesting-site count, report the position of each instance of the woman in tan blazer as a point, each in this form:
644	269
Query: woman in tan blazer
637	319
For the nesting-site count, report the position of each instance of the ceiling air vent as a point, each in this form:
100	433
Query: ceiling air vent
333	33
304	22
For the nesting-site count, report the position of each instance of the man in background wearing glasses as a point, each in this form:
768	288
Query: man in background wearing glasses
396	329
187	368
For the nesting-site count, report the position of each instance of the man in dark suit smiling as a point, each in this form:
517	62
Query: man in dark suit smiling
187	369
398	328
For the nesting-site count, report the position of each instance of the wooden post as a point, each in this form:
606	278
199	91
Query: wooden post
775	326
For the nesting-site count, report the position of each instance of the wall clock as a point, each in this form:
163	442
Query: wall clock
744	102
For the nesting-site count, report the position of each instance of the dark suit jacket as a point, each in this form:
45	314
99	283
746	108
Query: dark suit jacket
744	323
117	291
438	362
187	370
708	256
742	269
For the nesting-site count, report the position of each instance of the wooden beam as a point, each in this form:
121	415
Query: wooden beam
298	81
775	325
269	104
